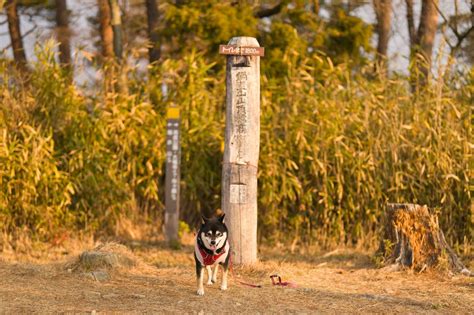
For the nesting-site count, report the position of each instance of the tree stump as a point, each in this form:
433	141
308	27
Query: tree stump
412	239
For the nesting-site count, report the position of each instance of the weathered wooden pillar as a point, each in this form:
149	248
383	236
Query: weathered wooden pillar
242	140
173	153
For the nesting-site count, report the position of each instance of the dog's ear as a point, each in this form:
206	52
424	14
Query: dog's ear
204	219
221	218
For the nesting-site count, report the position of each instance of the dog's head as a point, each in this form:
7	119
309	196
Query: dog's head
213	232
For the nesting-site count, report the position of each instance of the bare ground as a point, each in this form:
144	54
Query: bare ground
341	281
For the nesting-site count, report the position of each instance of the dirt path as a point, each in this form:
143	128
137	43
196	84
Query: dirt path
341	281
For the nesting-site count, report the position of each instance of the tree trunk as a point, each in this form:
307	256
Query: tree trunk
15	34
153	34
116	28
412	239
63	33
425	37
383	10
421	41
106	33
121	64
411	23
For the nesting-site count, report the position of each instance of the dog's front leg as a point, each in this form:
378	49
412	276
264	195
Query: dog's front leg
214	274
209	275
224	278
200	279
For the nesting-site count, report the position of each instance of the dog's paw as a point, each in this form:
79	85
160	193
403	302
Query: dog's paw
200	291
210	282
223	287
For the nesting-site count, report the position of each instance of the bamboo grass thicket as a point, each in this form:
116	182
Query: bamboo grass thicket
336	146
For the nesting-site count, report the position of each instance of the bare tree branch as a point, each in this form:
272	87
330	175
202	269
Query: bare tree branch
453	28
411	22
22	36
270	11
459	36
16	37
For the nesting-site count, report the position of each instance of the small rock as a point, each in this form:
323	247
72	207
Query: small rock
110	296
138	296
466	272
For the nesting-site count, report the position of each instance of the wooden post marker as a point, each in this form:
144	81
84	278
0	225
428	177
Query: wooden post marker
173	150
242	141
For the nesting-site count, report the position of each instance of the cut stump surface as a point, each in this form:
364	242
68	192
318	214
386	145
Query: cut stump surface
413	239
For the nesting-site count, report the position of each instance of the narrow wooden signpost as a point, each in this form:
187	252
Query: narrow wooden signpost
242	141
173	153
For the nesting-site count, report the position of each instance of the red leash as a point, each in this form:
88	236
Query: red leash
279	283
231	267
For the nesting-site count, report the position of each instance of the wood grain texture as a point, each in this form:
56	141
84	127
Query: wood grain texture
242	140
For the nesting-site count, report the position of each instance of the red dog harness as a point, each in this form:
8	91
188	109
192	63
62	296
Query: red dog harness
209	259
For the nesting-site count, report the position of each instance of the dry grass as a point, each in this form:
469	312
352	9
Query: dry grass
342	280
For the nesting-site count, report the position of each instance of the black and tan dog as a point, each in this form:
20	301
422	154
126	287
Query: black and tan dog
211	249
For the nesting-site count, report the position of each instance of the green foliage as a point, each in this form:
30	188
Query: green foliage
336	152
347	37
34	192
204	25
284	47
107	152
183	229
201	97
55	99
335	147
115	153
288	37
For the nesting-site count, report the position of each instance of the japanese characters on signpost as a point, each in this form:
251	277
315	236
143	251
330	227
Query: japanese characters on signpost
173	153
242	140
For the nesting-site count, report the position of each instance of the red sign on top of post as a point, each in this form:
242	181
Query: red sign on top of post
241	51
